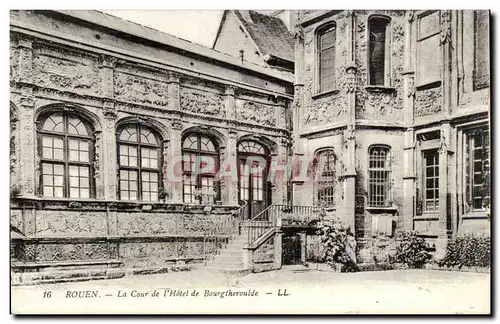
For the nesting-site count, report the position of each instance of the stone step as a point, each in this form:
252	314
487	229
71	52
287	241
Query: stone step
231	252
228	259
229	271
225	265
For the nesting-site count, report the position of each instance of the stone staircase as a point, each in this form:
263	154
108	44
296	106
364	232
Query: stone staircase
230	258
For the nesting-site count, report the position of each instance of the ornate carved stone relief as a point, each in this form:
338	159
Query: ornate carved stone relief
205	103
138	89
70	223
428	102
74	252
256	113
65	70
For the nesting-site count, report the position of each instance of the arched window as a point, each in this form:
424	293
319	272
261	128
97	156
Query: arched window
139	163
200	163
326	39
66	149
379	51
379	176
324	178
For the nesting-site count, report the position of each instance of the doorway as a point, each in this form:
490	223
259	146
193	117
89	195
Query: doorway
292	249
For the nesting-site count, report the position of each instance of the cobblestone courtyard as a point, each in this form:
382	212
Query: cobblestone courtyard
307	291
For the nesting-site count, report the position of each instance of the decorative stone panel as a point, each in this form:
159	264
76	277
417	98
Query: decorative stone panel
51	223
16	219
255	113
59	68
139	89
146	250
265	252
428	102
202	102
49	252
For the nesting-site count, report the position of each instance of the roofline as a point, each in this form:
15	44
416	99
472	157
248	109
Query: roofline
219	29
205	52
245	30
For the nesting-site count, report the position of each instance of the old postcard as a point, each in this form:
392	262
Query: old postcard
250	162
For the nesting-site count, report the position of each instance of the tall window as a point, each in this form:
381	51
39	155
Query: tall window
200	163
481	49
324	181
431	180
139	163
379	51
326	57
66	147
379	176
477	169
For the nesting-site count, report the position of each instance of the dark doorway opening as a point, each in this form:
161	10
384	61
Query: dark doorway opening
292	249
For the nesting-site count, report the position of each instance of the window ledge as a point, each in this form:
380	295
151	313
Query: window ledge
392	208
325	93
379	89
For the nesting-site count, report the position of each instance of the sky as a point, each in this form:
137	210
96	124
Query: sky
199	26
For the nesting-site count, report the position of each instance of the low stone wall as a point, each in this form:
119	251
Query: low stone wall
108	239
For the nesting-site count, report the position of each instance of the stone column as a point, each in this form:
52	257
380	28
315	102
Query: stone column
108	136
27	126
297	109
278	249
444	194
348	212
176	159
109	163
230	193
174	91
303	246
230	102
409	175
278	174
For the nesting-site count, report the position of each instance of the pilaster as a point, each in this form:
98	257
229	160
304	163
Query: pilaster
230	192
175	169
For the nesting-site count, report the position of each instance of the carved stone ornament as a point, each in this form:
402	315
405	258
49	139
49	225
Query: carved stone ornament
299	33
351	79
202	103
410	15
258	113
411	86
445	27
177	125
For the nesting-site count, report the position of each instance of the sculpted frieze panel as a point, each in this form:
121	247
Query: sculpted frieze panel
70	223
48	252
205	103
65	70
257	113
147	224
146	250
139	89
428	102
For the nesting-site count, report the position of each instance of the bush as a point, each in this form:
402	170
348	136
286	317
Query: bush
411	250
469	250
336	238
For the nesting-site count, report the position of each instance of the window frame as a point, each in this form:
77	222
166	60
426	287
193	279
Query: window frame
65	162
469	170
317	48
139	168
387	51
477	80
436	198
198	152
388	195
329	153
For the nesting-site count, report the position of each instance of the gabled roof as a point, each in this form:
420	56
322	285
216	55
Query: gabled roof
131	28
269	33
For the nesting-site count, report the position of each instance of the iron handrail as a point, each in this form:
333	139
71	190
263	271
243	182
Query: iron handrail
213	236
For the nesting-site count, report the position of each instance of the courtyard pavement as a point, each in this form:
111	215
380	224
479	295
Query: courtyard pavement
292	290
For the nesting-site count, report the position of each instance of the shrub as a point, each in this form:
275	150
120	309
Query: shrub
336	238
470	250
411	250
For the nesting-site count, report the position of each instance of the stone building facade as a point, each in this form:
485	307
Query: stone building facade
389	110
400	102
100	110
